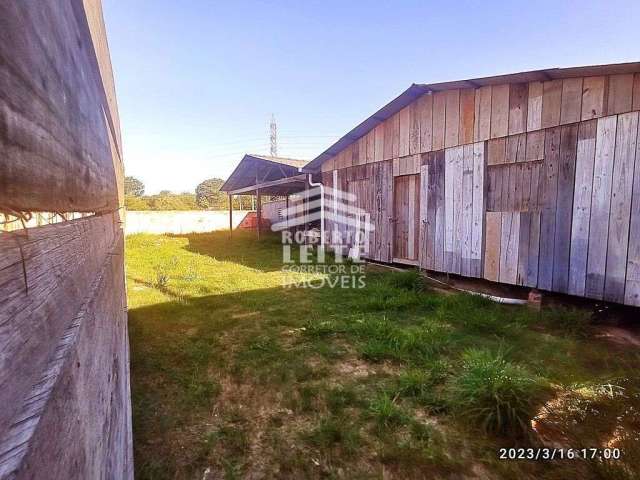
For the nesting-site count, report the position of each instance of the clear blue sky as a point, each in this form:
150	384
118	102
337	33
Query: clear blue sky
197	81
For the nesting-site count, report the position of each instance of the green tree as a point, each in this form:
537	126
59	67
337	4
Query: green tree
208	194
133	187
172	201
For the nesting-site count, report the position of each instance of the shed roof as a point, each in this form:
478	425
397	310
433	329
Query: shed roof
417	90
255	170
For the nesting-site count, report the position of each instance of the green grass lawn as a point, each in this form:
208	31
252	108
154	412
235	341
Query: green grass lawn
236	376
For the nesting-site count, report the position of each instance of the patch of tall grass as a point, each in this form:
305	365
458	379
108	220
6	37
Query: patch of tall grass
495	394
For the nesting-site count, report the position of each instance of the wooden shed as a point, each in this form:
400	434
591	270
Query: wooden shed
264	175
529	179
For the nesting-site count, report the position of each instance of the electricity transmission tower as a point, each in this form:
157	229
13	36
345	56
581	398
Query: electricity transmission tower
273	137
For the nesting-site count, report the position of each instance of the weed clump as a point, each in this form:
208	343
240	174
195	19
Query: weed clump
494	393
386	413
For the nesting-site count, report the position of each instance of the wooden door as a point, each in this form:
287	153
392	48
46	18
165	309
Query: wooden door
363	192
406	208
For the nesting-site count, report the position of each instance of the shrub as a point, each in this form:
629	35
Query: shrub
493	393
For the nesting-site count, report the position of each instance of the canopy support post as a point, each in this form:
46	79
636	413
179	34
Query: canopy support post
259	212
230	216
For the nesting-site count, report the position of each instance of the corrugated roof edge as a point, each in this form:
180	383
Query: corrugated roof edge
416	90
289	162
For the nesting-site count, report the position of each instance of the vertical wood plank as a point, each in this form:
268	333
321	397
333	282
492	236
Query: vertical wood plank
431	213
551	103
534	191
404	128
509	243
508	185
482	122
518	105
493	236
378	140
425	255
414	128
458	208
523	247
439	163
376	211
412	214
620	93
496	151
570	109
548	207
467	115
449	194
499	110
452	118
395	132
439	105
362	150
425	114
498	186
533	250
415	220
619	217
516	153
593	97
636	92
535	145
582	207
371	146
534	110
400	219
491	197
516	148
348	155
600	206
564	207
388	139
478	208
388	211
632	287
467	209
355	153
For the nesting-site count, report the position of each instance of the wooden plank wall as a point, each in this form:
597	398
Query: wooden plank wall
68	339
64	358
532	184
446	119
53	109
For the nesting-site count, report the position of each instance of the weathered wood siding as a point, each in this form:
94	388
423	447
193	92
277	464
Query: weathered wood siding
64	357
531	183
53	109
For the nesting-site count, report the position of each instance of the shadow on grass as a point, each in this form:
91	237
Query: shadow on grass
183	351
242	248
180	350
